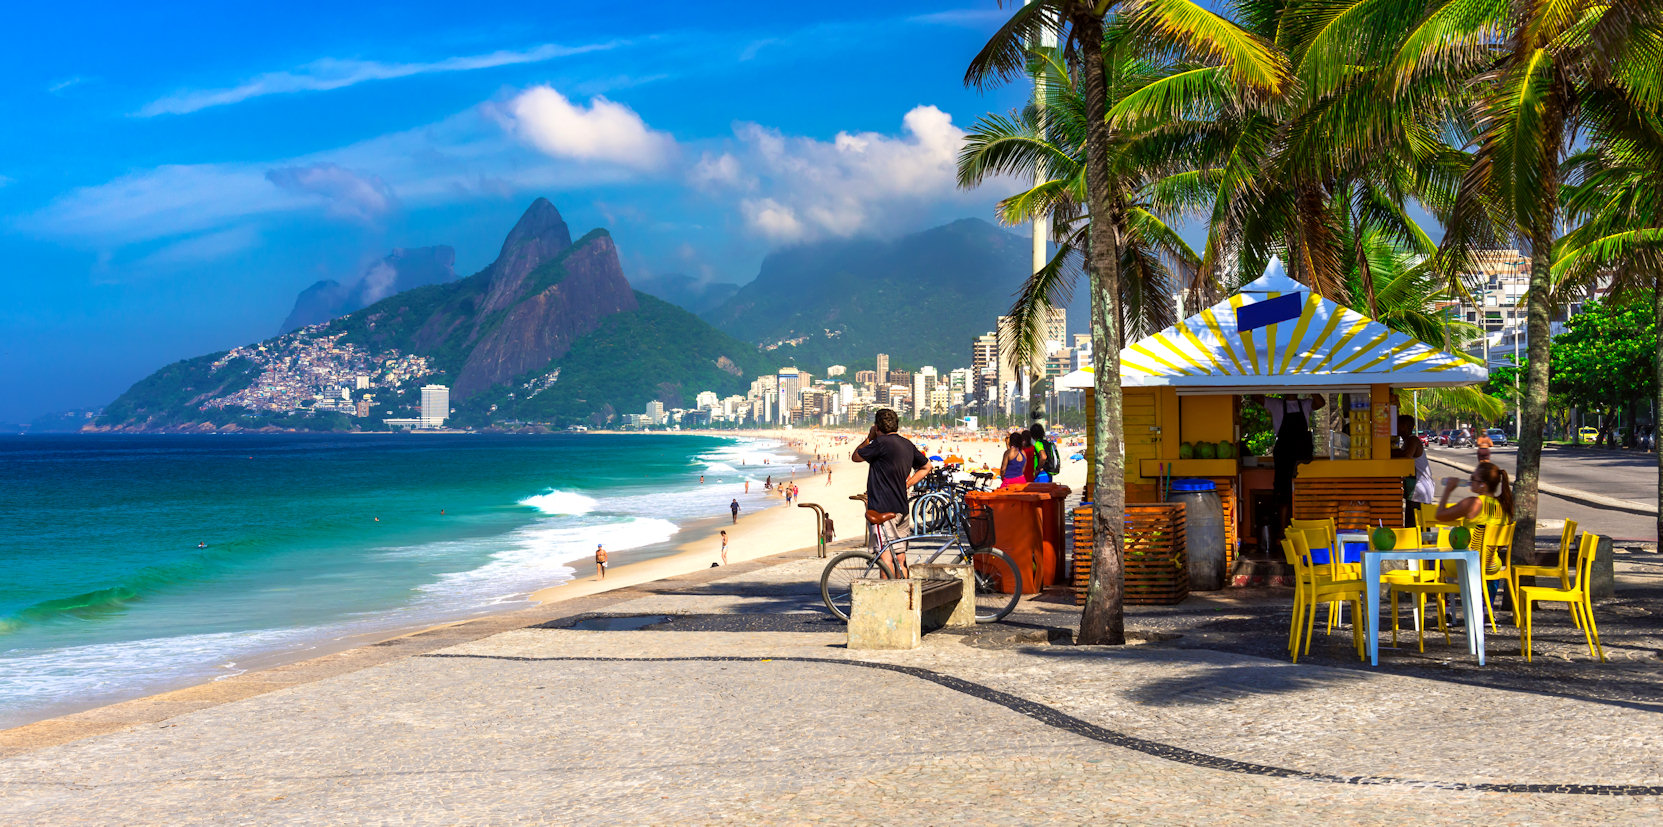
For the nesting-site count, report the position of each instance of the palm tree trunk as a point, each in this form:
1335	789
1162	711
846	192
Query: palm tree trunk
1657	402
1534	412
1103	620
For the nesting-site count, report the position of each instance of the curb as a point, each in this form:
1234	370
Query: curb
1573	494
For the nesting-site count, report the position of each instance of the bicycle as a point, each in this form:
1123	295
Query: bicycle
997	579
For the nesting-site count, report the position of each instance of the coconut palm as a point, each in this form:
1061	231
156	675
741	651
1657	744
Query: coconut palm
1556	66
1614	197
1185	28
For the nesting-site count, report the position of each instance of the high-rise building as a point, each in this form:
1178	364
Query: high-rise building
883	366
923	383
900	377
791	383
435	405
866	377
362	382
706	399
655	413
984	359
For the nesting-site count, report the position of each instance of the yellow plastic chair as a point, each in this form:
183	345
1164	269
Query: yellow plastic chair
1560	572
1578	596
1426	518
1322	533
1313	588
1419	582
1497	552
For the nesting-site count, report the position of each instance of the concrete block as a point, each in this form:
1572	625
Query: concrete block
884	614
1603	578
962	613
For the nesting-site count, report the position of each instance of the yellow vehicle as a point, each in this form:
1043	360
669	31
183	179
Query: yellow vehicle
1587	433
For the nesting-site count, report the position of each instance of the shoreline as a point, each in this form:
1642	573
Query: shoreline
760	534
665	559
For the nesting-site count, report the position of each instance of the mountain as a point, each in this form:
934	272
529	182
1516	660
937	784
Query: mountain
403	269
686	292
549	331
921	298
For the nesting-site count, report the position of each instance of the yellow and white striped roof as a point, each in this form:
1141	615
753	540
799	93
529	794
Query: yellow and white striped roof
1326	346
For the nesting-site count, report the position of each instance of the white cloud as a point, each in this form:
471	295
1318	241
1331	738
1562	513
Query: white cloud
197	249
349	194
333	73
719	171
806	189
602	131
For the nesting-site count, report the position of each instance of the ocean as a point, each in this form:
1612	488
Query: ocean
306	540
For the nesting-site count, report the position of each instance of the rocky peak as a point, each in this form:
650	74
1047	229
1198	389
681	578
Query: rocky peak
539	236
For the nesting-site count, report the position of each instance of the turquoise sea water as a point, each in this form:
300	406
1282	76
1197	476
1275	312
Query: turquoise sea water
104	594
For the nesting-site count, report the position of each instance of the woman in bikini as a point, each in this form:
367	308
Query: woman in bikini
1013	467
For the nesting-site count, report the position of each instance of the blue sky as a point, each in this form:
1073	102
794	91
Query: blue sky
173	175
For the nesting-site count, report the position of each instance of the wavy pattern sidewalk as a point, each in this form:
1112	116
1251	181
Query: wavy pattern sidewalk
744	706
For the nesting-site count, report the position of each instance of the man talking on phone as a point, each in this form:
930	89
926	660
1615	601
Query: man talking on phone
894	464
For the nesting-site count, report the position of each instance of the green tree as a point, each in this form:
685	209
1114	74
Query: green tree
1184	27
1603	360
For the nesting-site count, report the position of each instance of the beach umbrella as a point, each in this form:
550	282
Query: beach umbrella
1077	457
935	458
955	459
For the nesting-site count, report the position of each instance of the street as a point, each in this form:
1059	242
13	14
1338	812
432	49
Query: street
1624	475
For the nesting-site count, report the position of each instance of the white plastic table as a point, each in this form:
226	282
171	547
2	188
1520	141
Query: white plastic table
1472	589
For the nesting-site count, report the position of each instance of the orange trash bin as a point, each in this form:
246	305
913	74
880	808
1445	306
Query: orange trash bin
1052	524
1018	531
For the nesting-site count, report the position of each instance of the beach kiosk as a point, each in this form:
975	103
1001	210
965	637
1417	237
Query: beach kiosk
1187	385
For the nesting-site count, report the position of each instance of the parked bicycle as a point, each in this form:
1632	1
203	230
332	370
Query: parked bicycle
968	540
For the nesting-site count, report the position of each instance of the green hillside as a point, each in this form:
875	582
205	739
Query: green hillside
922	298
658	351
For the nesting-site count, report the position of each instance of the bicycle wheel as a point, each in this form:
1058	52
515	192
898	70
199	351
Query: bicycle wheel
843	570
998	584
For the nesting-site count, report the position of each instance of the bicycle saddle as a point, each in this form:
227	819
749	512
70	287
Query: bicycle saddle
879	517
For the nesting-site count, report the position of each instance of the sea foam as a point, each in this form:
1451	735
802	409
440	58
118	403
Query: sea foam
555	501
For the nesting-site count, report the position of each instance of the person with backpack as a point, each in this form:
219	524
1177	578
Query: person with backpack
1290	420
1047	459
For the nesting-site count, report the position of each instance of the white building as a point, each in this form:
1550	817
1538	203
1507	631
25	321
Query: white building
923	382
706	399
435	406
655	413
836	370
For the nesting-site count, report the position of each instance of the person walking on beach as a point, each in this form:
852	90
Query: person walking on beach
828	474
893	465
600	560
734	507
724	547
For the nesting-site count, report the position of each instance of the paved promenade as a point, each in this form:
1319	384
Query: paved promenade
728	696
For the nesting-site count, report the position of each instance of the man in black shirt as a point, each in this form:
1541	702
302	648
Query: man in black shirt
895	464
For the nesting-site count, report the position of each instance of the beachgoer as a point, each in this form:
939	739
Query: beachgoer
747	486
1290	421
724	547
1484	444
201	545
1014	464
1424	491
894	464
1490	505
1047	462
600	560
734	507
828	475
701	479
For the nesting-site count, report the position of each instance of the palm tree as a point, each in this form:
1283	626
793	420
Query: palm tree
1557	66
1153	256
1615	192
1184	27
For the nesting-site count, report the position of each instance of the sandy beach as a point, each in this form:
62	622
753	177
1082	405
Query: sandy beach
780	528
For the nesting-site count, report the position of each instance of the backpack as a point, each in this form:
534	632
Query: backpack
1052	463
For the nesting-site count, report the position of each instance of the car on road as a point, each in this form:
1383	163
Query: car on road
1443	437
1587	433
1497	436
